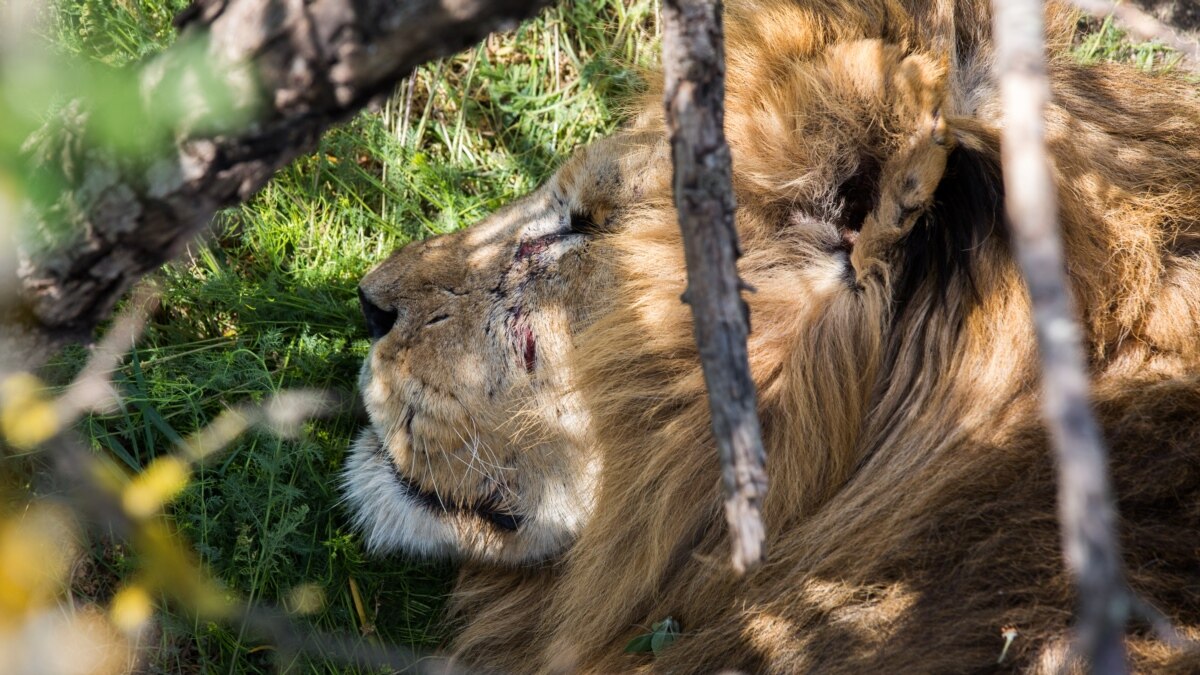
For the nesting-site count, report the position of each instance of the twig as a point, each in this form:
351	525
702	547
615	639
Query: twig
1086	508
101	509
92	389
1144	26
694	65
283	632
106	507
1160	623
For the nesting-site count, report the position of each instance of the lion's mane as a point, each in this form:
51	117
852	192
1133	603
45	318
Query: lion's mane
911	510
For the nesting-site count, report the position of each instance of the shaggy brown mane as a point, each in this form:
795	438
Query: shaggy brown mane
911	514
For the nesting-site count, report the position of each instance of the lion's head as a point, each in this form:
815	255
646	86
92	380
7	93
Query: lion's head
534	385
477	445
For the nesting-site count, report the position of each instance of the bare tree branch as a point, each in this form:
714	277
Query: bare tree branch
694	65
1086	508
1144	26
289	69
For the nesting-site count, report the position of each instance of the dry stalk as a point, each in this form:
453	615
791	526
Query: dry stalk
694	65
1086	509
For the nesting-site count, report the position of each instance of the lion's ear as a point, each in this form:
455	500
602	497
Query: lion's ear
967	208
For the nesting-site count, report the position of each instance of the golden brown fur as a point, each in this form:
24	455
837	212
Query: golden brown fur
477	444
911	510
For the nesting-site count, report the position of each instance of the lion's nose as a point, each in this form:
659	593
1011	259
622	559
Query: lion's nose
379	321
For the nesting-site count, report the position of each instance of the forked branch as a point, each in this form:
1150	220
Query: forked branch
1086	511
694	67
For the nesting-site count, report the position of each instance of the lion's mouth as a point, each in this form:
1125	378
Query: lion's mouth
488	509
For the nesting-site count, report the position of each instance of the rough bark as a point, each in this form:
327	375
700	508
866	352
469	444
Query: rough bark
1086	509
694	65
289	69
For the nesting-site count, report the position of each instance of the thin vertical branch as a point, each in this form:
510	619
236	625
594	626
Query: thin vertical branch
694	65
1086	509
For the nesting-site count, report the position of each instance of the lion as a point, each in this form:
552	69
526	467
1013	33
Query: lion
538	412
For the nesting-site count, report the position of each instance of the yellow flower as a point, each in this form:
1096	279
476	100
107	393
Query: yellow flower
36	550
131	608
158	484
305	599
27	415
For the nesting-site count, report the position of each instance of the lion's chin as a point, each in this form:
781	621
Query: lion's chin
396	516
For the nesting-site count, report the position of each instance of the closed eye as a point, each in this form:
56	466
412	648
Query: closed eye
437	319
582	223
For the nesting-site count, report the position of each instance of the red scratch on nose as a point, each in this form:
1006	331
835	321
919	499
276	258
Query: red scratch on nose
524	339
530	347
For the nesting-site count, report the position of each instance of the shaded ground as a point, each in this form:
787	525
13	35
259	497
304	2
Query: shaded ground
1183	15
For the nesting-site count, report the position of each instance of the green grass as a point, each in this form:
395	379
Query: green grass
269	303
1102	41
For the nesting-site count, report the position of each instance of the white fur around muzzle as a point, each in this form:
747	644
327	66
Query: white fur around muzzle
392	519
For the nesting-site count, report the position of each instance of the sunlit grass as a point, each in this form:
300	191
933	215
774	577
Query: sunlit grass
269	302
1103	41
